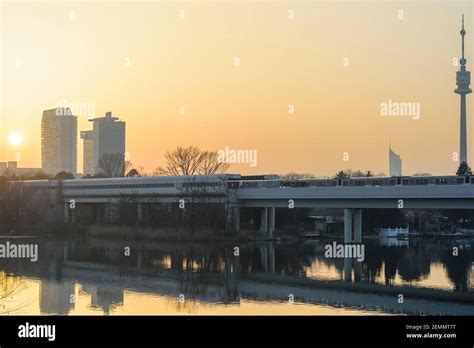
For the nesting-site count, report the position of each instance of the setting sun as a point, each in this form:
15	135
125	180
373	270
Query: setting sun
15	139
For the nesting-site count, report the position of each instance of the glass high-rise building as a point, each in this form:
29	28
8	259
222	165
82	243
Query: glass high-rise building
59	141
395	163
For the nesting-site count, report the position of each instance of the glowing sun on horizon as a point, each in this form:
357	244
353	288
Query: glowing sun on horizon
15	139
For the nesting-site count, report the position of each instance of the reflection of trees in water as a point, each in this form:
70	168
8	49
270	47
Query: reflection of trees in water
11	288
192	273
193	263
458	268
196	269
187	306
289	259
197	258
371	266
250	259
391	258
414	264
292	260
194	257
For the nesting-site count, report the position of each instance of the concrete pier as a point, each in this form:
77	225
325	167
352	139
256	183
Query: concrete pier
271	221
267	225
352	225
140	213
264	221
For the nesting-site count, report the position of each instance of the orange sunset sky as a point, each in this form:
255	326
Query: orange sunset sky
142	60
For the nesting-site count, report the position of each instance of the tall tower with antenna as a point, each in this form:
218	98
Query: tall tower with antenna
463	79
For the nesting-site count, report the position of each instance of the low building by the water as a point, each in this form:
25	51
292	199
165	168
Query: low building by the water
11	168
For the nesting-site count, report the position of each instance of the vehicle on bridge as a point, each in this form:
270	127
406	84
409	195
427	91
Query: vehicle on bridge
354	182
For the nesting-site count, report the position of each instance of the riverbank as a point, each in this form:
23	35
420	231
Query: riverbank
178	234
40	229
114	232
138	233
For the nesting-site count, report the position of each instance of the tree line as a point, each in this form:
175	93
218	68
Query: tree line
189	161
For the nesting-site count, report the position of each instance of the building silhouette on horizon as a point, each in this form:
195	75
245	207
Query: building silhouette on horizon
106	137
394	163
88	152
59	141
12	168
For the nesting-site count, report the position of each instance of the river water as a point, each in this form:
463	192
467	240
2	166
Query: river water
103	277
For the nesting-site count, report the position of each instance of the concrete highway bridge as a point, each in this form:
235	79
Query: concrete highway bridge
63	197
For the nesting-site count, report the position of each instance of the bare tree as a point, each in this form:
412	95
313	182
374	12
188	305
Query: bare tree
14	200
10	287
349	173
297	176
191	161
133	173
112	165
422	174
204	207
211	165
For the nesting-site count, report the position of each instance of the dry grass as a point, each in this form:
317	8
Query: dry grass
40	229
160	234
137	233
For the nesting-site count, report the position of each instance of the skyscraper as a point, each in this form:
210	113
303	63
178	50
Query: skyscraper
59	141
88	156
463	79
107	137
395	163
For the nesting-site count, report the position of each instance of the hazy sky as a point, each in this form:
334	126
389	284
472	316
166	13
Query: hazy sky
335	62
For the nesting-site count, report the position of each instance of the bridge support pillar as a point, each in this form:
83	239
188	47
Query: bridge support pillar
271	256
267	224
140	214
271	222
236	218
67	213
233	218
347	225
352	225
357	216
357	270
264	258
264	221
106	216
347	269
73	215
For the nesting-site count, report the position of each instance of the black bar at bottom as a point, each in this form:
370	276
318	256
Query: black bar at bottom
136	330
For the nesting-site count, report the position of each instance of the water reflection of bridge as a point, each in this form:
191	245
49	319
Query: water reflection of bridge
216	277
109	291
